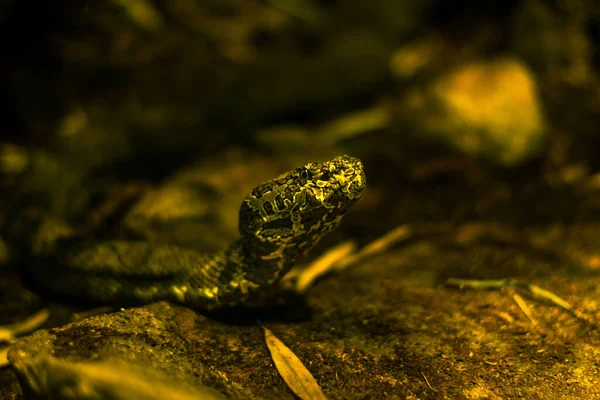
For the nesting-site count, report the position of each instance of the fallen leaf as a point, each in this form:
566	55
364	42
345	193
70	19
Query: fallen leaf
291	369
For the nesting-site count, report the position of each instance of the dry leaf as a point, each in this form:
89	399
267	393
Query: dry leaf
291	369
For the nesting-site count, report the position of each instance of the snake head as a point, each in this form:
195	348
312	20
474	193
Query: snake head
283	218
334	185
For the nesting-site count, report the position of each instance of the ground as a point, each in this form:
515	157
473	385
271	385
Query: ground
477	127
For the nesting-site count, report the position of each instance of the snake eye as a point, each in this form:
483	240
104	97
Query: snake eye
304	174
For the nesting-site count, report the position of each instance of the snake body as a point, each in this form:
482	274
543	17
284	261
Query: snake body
279	222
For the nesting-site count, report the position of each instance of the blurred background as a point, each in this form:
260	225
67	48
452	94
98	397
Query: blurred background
152	119
476	123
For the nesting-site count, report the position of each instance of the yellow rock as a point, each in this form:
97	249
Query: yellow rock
487	109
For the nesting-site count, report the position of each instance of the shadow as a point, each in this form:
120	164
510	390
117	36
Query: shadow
283	306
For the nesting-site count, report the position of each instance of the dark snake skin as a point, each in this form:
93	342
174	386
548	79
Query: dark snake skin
279	222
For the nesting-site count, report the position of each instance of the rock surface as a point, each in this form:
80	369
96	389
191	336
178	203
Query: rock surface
382	329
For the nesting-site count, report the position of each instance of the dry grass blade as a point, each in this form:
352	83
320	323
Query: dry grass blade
343	256
291	369
4	358
524	307
379	245
512	283
9	332
355	124
323	265
546	294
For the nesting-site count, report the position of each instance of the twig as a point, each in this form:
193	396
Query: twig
427	382
508	283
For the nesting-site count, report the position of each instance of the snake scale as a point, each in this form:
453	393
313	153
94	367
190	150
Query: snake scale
279	222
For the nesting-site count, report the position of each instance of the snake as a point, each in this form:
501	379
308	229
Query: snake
280	221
